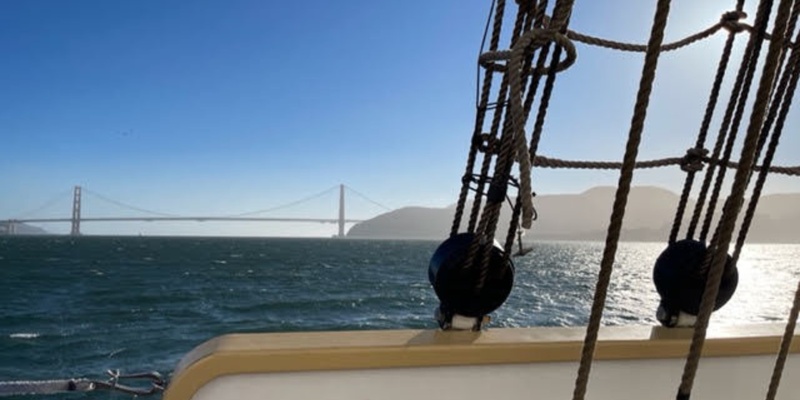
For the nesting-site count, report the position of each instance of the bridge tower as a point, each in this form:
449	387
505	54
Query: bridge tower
11	228
76	212
341	211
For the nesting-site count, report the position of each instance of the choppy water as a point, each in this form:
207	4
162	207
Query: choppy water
76	307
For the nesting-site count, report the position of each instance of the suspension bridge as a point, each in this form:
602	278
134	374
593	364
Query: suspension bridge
76	219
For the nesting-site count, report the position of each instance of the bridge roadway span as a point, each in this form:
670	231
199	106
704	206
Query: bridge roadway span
197	219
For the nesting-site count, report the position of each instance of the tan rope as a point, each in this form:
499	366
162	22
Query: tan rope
729	21
543	37
786	343
482	242
548	162
792	171
718	250
611	44
537	38
510	141
513	233
621	199
495	127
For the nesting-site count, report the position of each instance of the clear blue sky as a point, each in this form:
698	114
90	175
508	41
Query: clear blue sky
223	107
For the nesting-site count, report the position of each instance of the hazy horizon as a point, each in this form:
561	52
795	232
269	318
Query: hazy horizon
568	216
218	108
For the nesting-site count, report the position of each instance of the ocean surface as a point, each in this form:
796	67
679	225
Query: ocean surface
75	307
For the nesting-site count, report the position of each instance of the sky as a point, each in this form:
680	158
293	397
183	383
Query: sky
225	107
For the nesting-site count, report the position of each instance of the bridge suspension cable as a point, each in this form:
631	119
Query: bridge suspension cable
127	206
287	205
47	204
355	192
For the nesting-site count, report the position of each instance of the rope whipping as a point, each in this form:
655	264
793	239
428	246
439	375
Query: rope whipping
716	256
621	198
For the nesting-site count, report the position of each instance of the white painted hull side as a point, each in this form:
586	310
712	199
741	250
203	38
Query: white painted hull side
718	378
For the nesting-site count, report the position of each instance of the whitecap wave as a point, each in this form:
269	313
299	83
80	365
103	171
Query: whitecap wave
24	335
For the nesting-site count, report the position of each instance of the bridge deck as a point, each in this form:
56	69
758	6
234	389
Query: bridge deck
197	219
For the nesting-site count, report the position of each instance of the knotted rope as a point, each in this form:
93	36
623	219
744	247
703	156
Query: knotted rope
512	143
729	21
692	162
536	39
716	257
730	123
704	126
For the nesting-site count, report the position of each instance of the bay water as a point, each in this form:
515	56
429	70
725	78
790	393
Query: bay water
75	307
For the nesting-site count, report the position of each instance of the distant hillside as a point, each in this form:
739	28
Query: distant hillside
585	216
22	229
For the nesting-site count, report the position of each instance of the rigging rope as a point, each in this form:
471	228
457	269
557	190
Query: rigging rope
533	36
621	198
479	119
690	162
513	143
704	126
495	126
729	21
730	141
536	37
786	343
538	124
717	253
738	98
780	107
